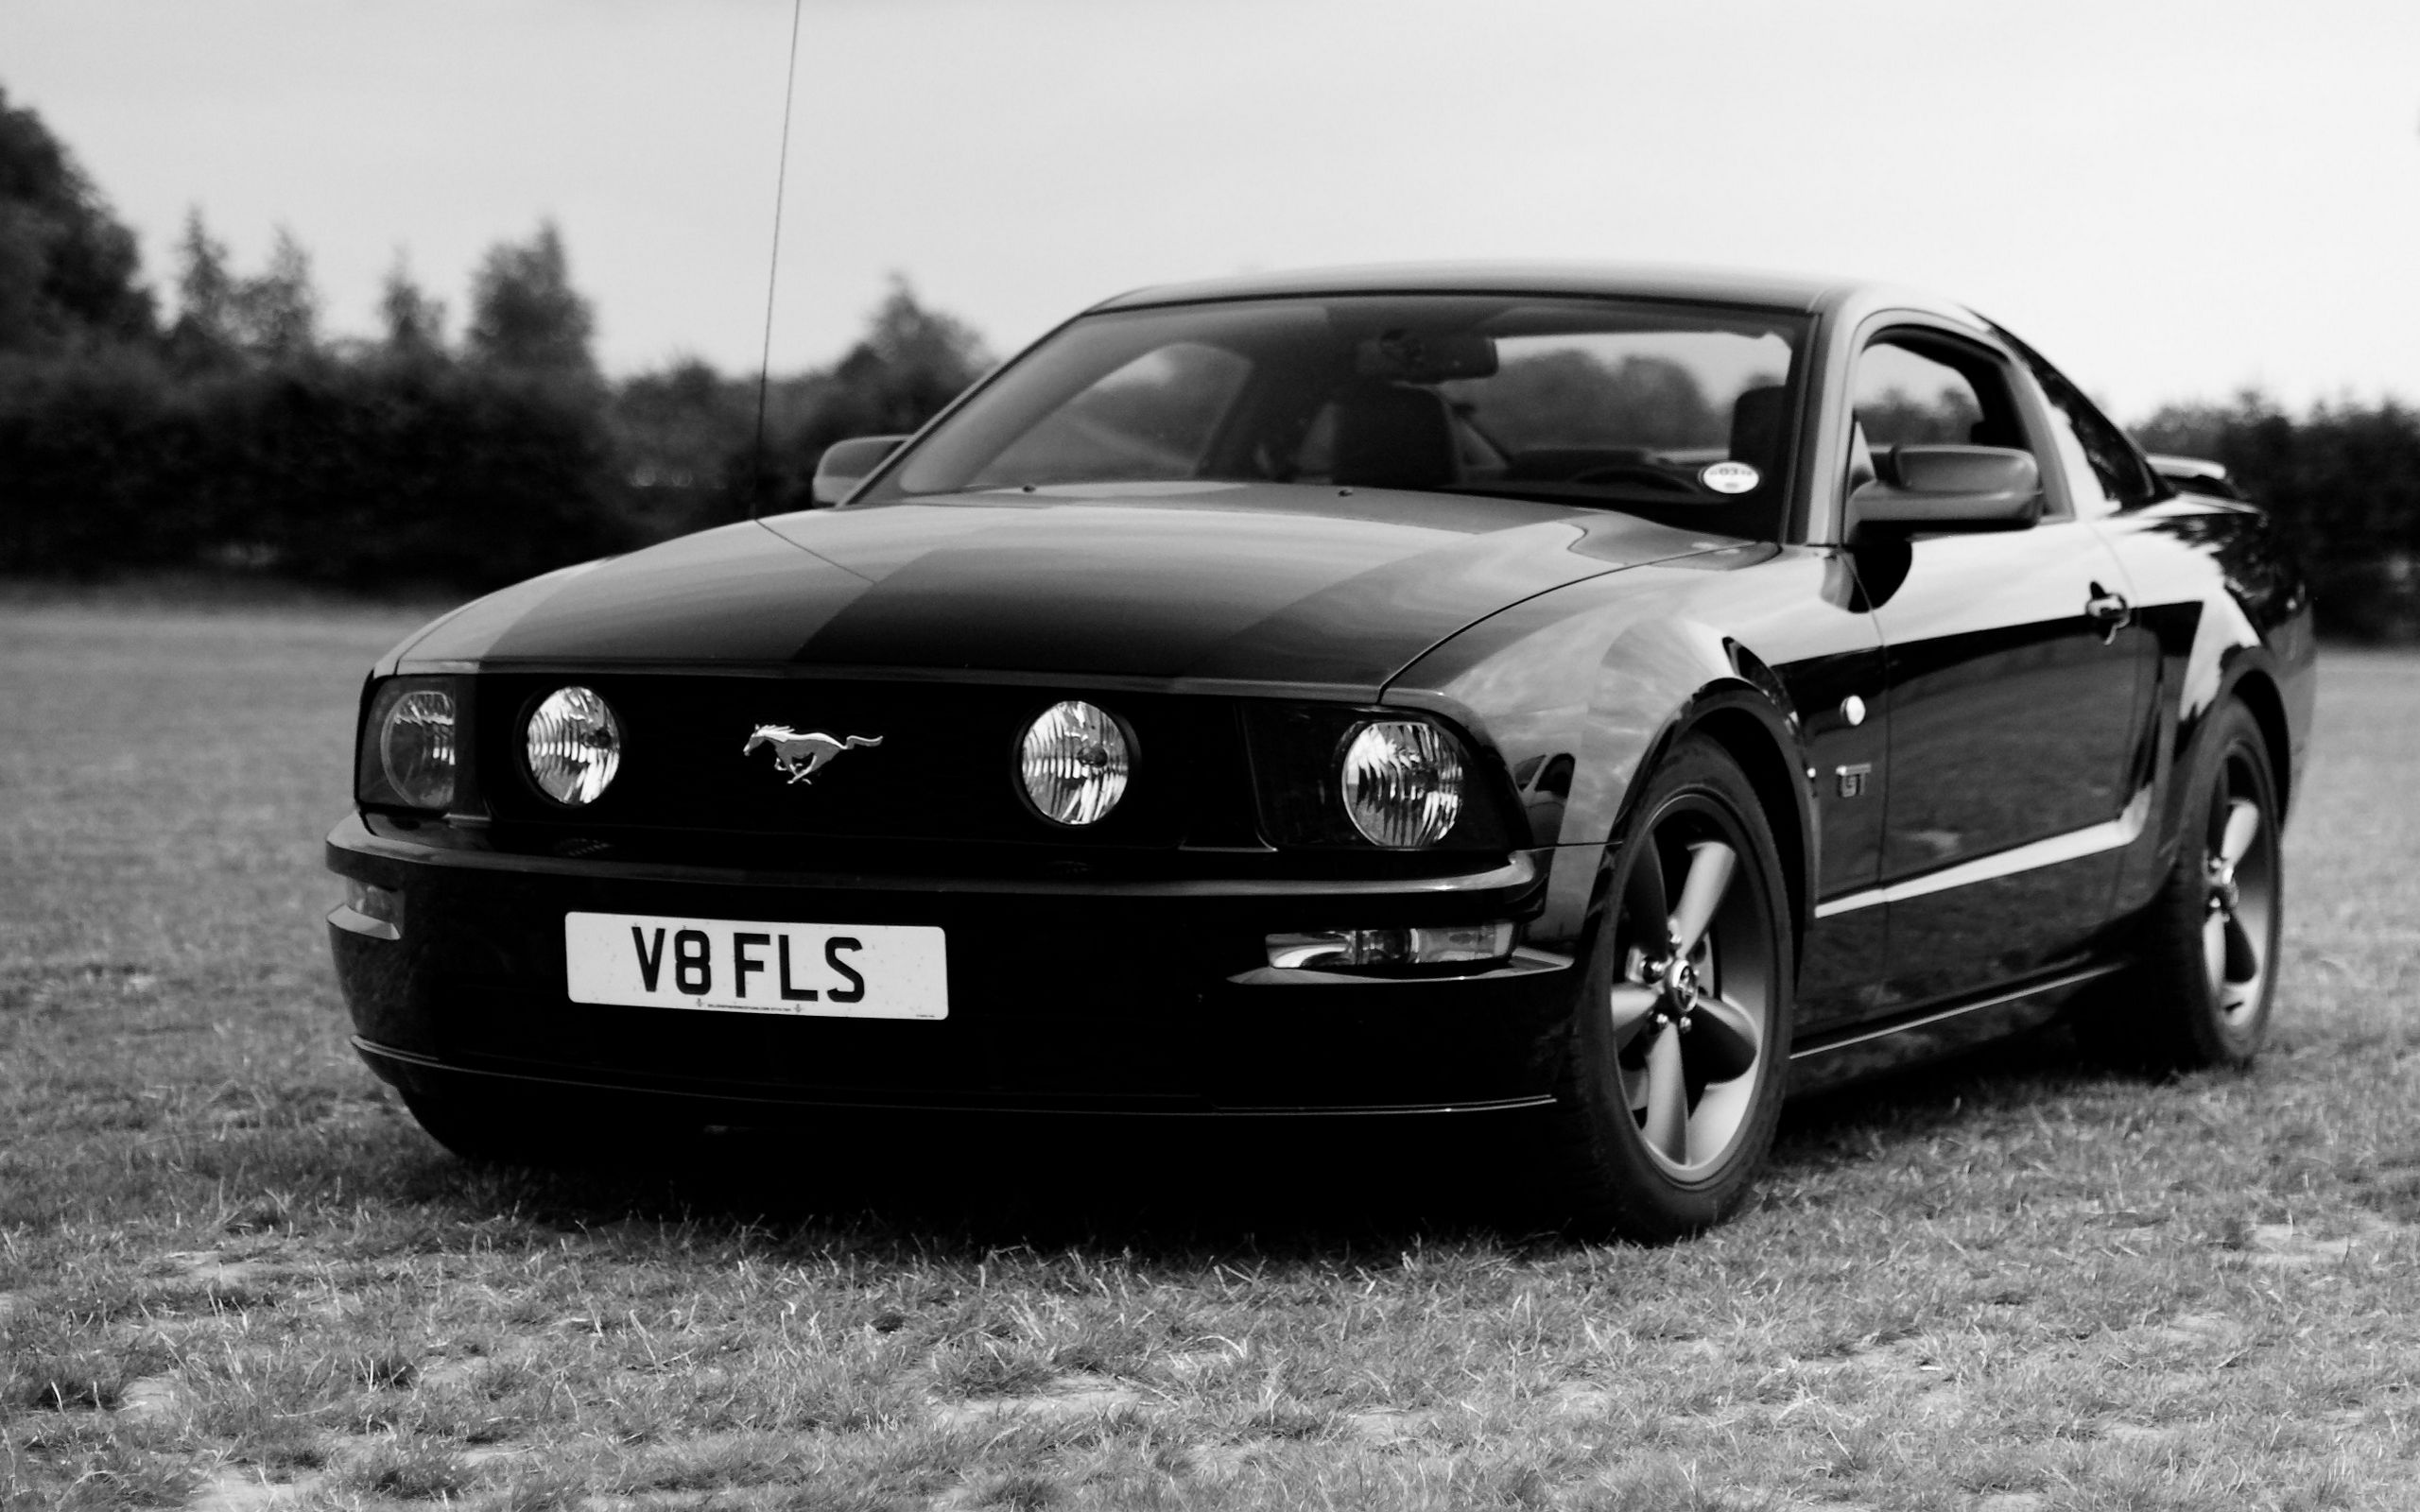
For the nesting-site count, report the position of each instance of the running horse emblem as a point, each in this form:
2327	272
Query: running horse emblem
803	755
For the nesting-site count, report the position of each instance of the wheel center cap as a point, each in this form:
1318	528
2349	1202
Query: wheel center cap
2224	896
1680	985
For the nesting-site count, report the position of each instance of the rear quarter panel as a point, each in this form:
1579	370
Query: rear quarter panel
2217	584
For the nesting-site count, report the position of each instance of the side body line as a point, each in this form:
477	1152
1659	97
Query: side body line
2112	834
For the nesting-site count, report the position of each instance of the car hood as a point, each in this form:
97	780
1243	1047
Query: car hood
1243	583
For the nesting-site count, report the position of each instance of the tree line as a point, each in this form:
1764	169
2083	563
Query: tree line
232	429
2343	481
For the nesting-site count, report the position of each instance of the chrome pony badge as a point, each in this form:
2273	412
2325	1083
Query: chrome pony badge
803	756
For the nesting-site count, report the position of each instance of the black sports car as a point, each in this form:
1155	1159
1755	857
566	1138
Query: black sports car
1594	701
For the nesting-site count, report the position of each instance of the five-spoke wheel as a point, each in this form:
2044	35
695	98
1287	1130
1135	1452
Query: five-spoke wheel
1688	1055
2199	995
2240	866
1674	1077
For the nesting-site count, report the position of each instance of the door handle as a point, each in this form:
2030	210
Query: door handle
2108	610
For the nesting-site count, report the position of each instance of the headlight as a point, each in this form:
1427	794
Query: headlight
415	748
575	747
1403	783
1075	760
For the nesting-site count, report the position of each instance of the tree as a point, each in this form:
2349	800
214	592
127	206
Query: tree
278	312
415	322
1572	398
911	362
205	327
68	269
2343	481
525	313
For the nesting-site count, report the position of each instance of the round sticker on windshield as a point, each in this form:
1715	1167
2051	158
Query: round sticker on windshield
1730	477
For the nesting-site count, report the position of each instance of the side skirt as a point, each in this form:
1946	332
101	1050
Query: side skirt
1867	1050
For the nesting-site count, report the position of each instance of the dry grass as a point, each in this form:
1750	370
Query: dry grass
232	1272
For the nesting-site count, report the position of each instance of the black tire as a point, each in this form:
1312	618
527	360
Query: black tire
2206	979
1677	1059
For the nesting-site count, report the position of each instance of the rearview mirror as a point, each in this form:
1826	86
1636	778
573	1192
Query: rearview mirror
1949	487
846	464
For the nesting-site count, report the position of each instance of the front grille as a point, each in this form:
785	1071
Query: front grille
944	771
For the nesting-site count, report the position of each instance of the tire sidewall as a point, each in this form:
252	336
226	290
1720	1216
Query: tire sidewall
2233	733
1641	1199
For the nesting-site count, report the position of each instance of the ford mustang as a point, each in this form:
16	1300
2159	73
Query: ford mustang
1590	703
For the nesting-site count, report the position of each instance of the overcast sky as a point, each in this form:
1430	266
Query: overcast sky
2171	200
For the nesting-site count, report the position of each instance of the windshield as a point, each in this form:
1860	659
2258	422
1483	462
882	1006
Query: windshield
1678	412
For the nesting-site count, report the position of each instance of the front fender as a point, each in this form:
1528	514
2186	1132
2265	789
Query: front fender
1583	691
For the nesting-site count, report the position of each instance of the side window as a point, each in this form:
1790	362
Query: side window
1904	398
1920	389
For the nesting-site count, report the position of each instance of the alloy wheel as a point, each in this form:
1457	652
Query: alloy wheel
1692	995
2240	894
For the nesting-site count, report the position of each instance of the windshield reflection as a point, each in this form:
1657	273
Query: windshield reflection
1683	414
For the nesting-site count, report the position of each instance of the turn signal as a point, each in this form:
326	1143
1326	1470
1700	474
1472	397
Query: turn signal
415	748
1431	945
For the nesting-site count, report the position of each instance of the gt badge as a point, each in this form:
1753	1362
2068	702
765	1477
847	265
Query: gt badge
1852	779
803	756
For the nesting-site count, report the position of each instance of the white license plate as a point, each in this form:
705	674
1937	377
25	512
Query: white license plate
728	966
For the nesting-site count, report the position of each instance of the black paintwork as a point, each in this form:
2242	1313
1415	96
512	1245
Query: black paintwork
1265	585
1570	647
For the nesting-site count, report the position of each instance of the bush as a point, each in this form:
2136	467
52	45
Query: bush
2344	482
351	472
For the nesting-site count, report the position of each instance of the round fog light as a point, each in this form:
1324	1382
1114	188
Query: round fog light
575	747
1075	760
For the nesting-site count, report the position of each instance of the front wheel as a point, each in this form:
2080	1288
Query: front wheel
1679	1047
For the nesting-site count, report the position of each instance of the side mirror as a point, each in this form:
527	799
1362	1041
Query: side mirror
1949	487
846	464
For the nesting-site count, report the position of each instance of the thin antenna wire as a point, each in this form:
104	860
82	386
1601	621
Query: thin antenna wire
774	273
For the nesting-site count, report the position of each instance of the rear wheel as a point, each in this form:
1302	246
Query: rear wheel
1679	1048
2203	993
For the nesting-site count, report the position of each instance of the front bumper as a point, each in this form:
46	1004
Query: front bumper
1147	997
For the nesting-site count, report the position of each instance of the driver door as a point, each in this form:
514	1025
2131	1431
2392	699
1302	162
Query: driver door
2018	699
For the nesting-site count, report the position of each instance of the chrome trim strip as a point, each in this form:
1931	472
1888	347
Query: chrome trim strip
1523	962
2110	835
346	916
1998	1000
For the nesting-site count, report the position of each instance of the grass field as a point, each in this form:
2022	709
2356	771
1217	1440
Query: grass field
233	1275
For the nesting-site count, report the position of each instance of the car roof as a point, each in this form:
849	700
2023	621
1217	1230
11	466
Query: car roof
1620	280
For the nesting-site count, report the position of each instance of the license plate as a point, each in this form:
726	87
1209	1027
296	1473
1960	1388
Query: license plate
727	966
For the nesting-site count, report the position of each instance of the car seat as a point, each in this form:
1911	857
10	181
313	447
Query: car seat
1393	436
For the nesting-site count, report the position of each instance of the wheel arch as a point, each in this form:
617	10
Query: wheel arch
1773	774
2260	695
1757	734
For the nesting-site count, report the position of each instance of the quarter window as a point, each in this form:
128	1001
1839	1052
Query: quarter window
2085	482
2123	475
